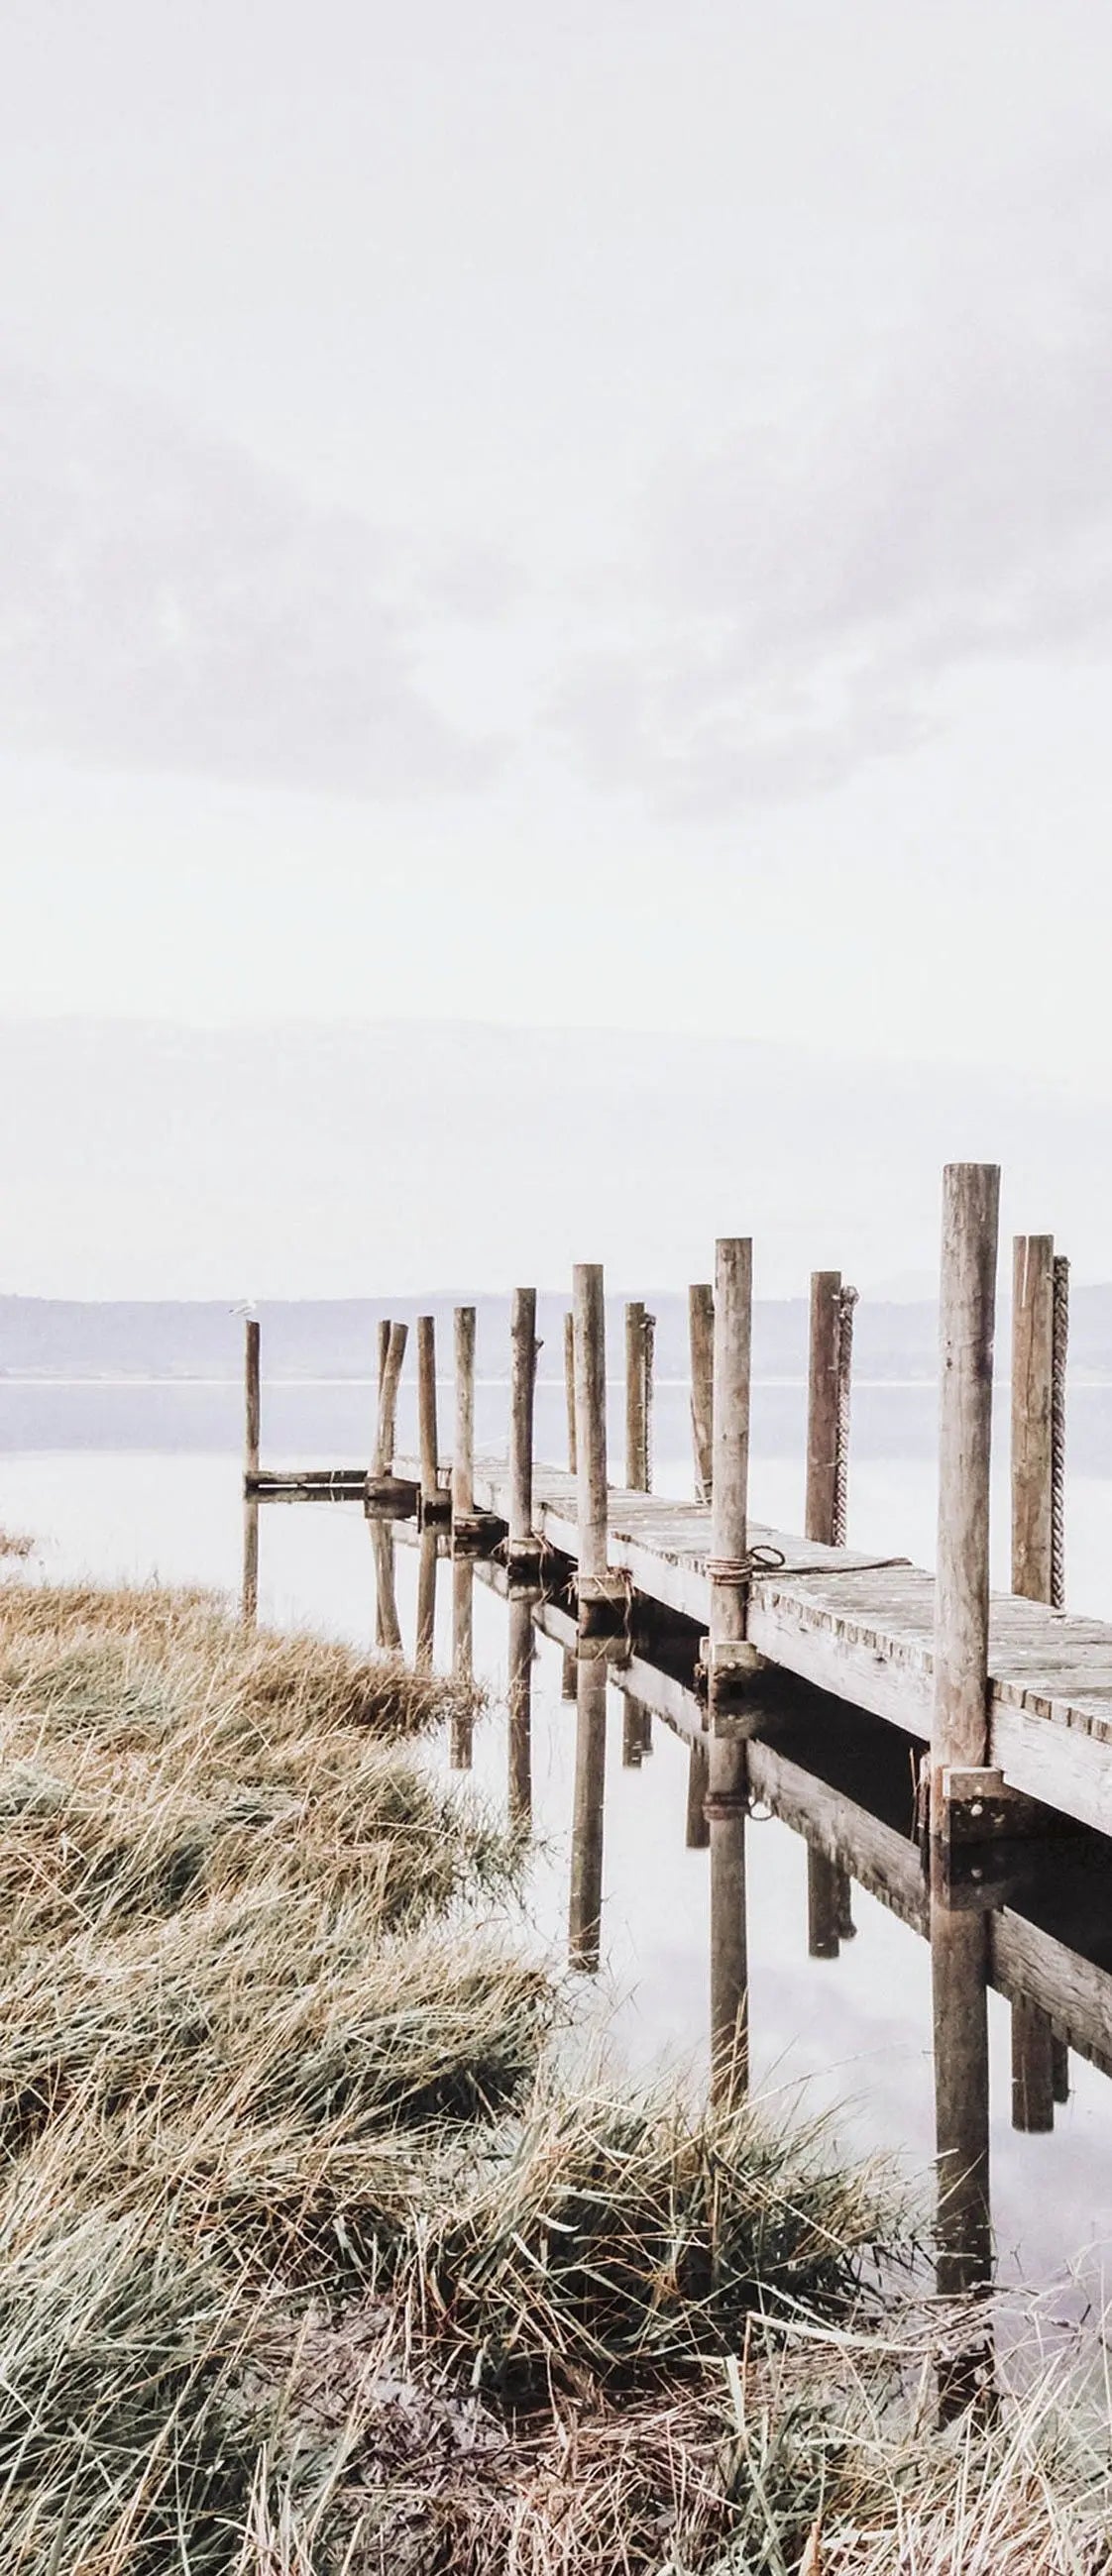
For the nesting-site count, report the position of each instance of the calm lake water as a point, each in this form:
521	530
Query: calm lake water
130	1482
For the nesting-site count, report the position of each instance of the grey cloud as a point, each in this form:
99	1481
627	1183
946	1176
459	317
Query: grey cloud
168	602
797	597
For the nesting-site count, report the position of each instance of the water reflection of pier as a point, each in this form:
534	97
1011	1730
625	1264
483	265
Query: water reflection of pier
1033	1921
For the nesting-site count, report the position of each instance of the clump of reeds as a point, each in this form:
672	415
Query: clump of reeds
16	1544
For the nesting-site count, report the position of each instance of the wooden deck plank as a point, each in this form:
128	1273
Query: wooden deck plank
862	1628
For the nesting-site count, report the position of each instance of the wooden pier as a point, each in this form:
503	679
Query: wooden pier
1010	1695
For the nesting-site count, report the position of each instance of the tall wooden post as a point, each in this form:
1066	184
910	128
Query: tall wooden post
1032	1384
820	1512
729	1945
960	1736
522	1546
383	1342
728	1655
428	1435
639	1377
386	1435
463	1658
520	1707
1033	1577
252	1397
463	1458
585	1888
590	1433
569	1388
700	1321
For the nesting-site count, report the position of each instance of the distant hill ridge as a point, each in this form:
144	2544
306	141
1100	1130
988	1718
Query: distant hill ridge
334	1338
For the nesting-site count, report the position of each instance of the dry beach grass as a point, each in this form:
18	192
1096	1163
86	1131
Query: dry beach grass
313	2254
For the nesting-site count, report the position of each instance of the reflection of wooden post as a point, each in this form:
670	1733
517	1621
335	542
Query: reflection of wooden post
386	1436
1032	2067
729	1954
428	1435
638	1359
463	1461
590	1427
700	1321
820	1513
825	1901
697	1830
971	1195
251	1397
585	1895
569	1387
728	1654
633	1732
426	1599
523	1548
959	1981
520	1705
1032	1378
463	1657
250	1602
387	1624
568	1673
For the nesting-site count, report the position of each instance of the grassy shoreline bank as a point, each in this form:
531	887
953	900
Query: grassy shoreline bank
313	2255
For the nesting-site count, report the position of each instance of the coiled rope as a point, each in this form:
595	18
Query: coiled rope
1059	1342
847	1300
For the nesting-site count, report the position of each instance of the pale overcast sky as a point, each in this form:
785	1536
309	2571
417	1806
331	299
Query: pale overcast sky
587	514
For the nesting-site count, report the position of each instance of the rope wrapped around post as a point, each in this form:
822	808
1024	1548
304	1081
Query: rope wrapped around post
847	1300
1059	1347
741	1569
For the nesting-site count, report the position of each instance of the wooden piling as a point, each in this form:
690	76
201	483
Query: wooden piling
821	1507
825	1904
463	1458
1032	2067
728	1655
729	1946
700	1321
569	1667
971	1196
427	1430
252	1395
386	1434
639	1328
1032	1389
569	1388
519	1698
383	1345
585	1887
1060	2068
522	1545
590	1435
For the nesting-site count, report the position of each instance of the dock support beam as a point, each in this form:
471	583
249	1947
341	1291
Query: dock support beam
700	1325
727	1800
463	1658
729	1658
639	1332
252	1397
963	2225
821	1508
960	1735
433	1503
463	1459
1040	1317
386	1434
522	1545
1032	2067
600	1594
826	1903
569	1388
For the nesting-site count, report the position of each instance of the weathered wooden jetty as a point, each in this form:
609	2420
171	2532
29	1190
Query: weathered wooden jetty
1011	1694
769	1651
